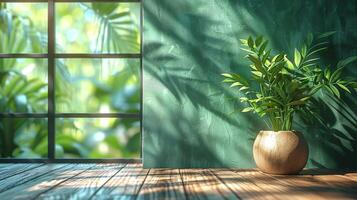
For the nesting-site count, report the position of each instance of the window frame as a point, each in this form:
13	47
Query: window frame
51	114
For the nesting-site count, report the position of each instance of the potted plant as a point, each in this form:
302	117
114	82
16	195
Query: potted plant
278	89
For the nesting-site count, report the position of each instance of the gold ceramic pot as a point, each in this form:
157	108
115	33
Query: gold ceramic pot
282	152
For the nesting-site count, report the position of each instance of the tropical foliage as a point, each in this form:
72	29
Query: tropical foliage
114	86
280	86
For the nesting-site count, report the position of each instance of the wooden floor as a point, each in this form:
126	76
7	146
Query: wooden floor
131	181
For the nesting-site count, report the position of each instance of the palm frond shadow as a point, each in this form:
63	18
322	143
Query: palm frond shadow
185	51
332	132
193	83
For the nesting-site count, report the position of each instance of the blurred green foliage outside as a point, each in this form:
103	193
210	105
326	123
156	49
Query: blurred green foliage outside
82	85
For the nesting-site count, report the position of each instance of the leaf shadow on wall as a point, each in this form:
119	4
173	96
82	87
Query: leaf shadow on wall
188	117
332	132
198	122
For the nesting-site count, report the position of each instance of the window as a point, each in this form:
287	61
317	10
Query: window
71	80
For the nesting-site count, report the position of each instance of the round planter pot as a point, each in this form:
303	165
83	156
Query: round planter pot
282	152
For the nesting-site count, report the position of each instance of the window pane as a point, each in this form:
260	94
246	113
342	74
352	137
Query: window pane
23	27
98	85
23	84
97	27
23	138
98	138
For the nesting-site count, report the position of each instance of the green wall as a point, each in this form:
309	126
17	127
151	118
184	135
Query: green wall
191	119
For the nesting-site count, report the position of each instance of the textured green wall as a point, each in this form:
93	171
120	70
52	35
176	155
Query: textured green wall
191	118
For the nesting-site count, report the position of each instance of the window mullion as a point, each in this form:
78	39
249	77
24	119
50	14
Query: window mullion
51	80
141	75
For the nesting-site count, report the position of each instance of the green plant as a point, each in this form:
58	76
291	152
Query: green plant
281	87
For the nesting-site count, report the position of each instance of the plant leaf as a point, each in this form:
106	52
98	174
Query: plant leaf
343	87
244	42
262	48
334	90
250	42
299	102
228	80
303	50
336	74
315	89
235	84
243	99
290	65
257	63
243	88
316	51
326	34
248	109
227	75
258	41
297	57
346	61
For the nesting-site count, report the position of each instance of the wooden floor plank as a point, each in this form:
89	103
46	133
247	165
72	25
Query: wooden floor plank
245	187
27	176
163	184
343	185
329	172
85	184
114	181
203	184
124	185
34	188
333	176
12	170
5	165
281	189
337	180
312	188
296	186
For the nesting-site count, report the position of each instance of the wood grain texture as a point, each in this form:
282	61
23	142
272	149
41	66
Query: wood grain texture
313	188
337	180
203	184
27	176
351	175
44	183
124	185
340	183
2	166
278	188
246	187
131	181
84	185
162	184
13	169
